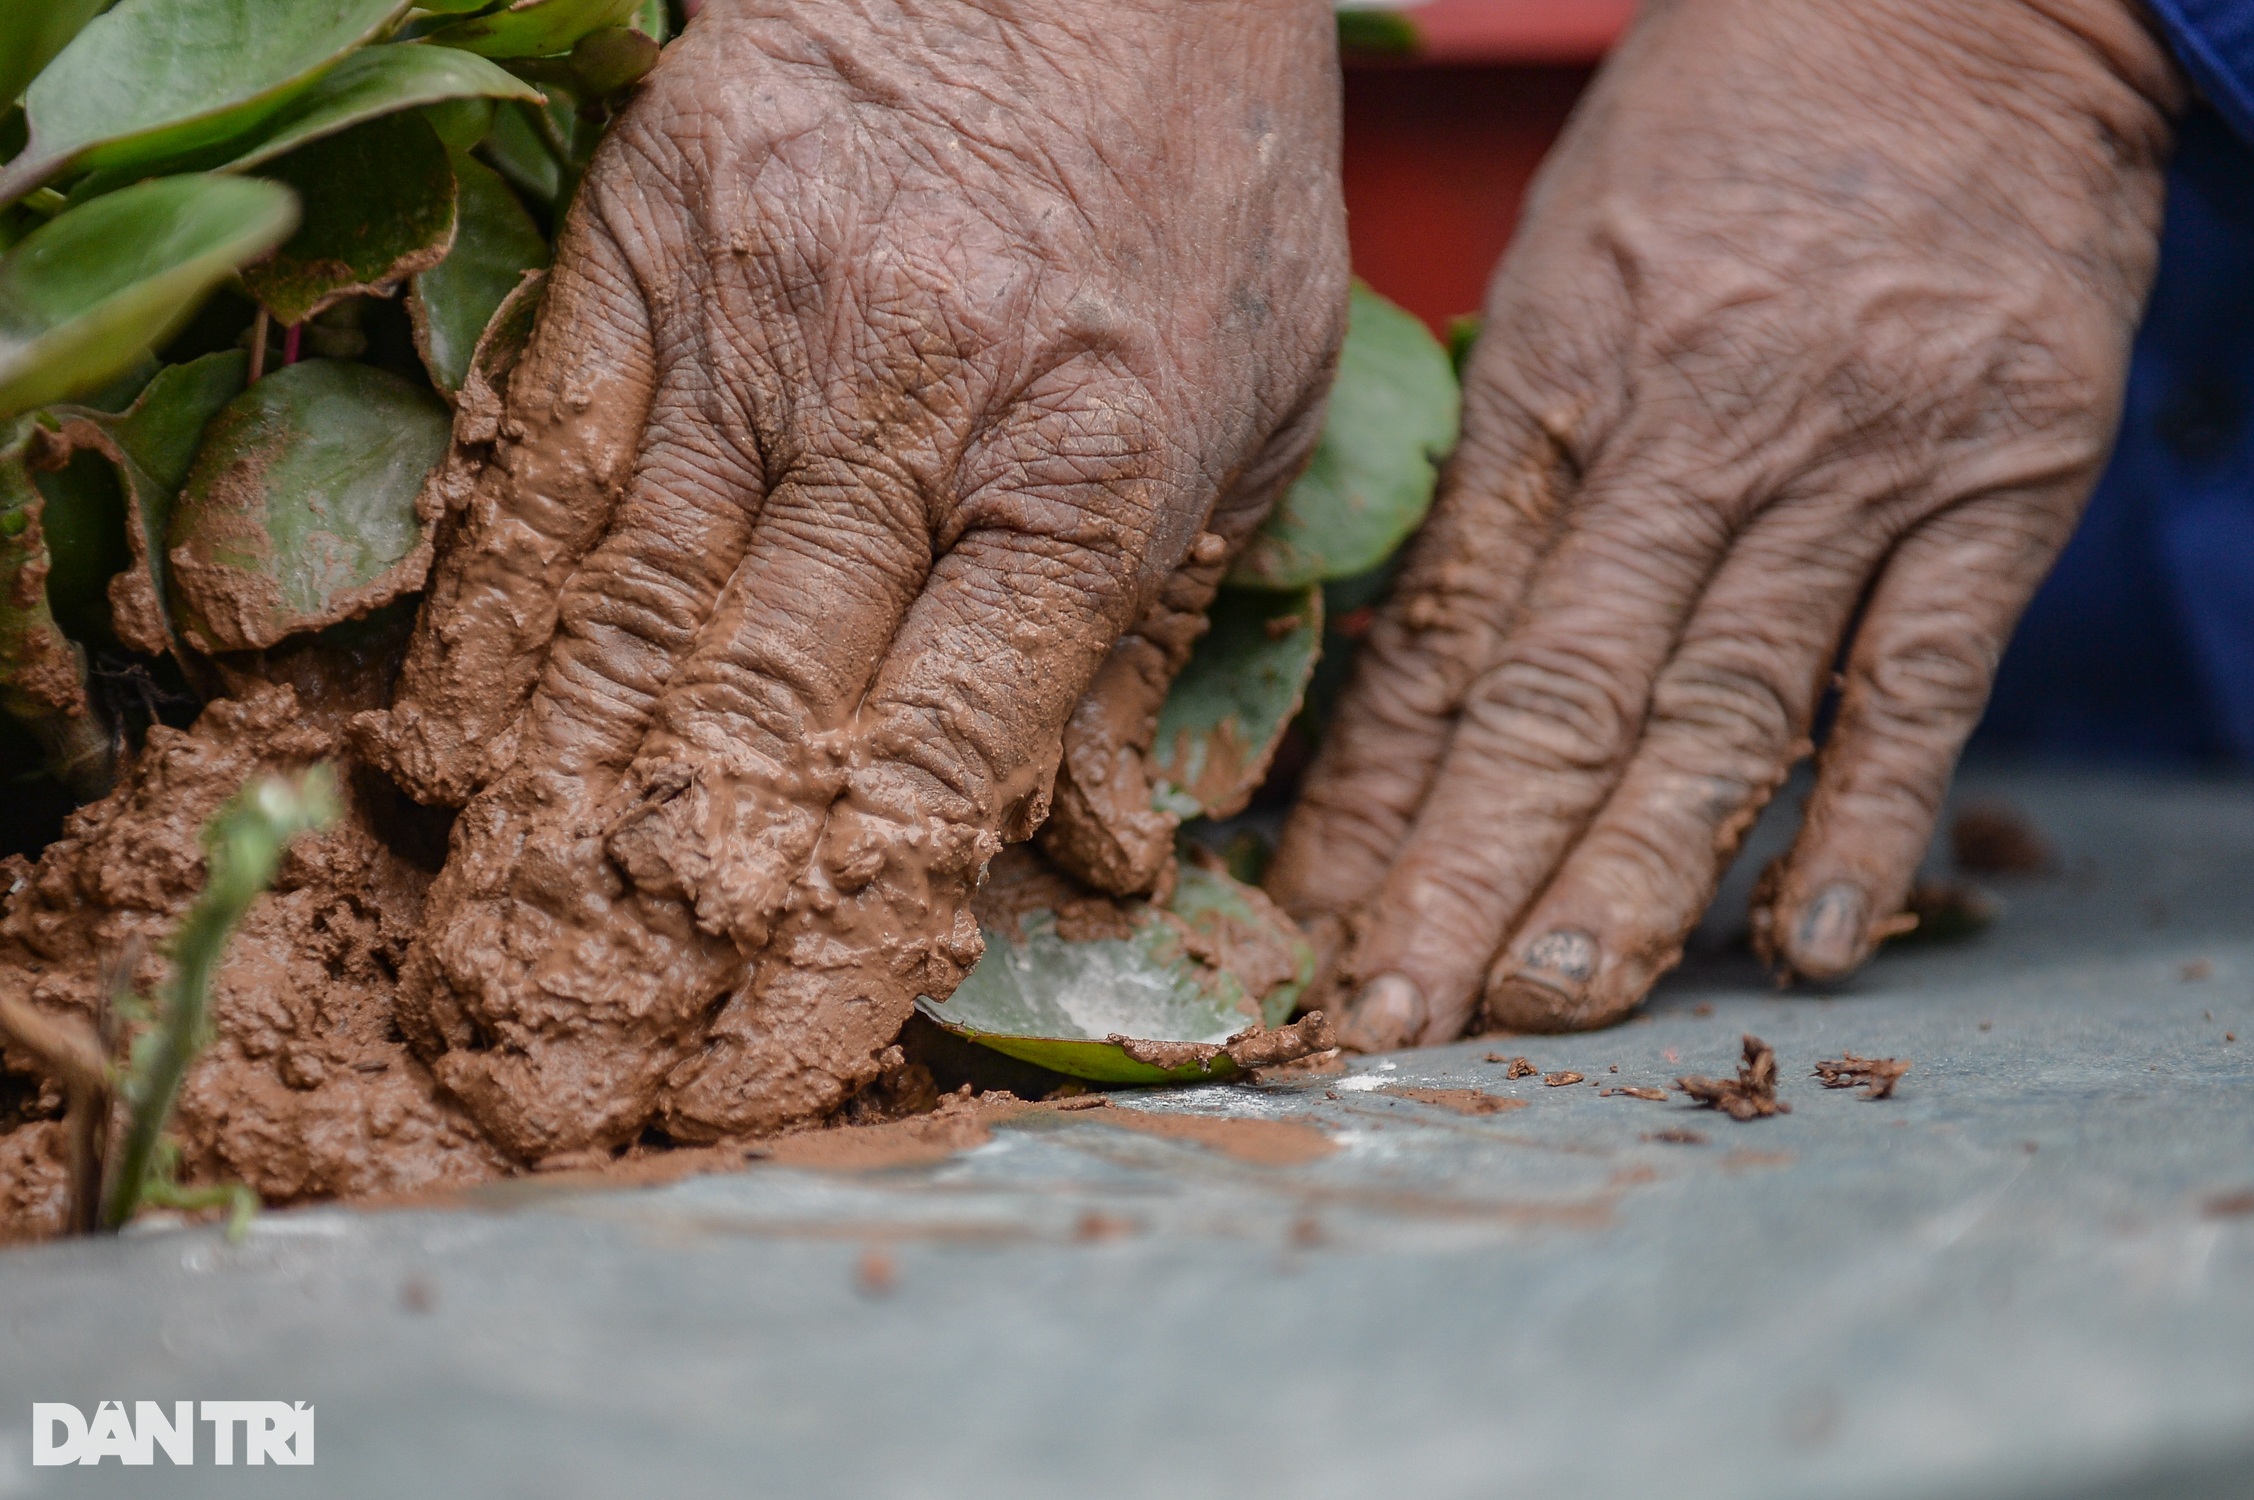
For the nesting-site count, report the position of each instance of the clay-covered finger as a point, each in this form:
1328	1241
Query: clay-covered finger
541	480
1458	592
1918	675
1069	507
1543	736
549	995
1101	826
1729	715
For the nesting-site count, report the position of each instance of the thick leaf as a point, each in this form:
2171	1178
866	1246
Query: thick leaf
515	149
381	81
1392	419
147	448
1228	710
1216	960
300	508
31	33
653	21
42	670
155	80
92	292
535	28
379	208
495	243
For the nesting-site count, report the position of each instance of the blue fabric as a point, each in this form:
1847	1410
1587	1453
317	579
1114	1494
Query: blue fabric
2141	644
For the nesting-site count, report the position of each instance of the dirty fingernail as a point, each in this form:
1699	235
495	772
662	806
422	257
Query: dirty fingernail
1564	960
1829	939
1388	1013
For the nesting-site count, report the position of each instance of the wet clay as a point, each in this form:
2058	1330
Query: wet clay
1461	1101
308	1091
1266	1143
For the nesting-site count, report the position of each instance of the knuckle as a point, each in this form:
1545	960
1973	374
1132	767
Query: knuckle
1557	706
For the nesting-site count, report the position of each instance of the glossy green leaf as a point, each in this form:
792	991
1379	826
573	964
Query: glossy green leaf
1392	419
535	28
154	80
42	670
300	508
31	33
378	208
1233	701
515	149
653	21
147	449
93	291
495	243
381	81
1041	997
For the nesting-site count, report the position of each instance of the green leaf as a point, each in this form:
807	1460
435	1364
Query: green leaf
42	670
379	208
515	149
155	80
1215	960
495	243
148	448
1230	707
381	81
300	509
1392	419
94	290
653	21
31	33
1376	32
534	28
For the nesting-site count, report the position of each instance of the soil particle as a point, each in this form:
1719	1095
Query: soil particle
1749	1096
876	1273
1264	1143
961	1122
1461	1101
2195	971
1254	1047
1519	1066
1942	911
1676	1137
1995	838
1657	1096
1876	1075
1095	1227
1560	1080
2230	1205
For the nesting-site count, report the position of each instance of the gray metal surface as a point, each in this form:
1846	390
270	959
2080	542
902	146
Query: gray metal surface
2019	1278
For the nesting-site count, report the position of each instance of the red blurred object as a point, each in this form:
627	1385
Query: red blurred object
1440	146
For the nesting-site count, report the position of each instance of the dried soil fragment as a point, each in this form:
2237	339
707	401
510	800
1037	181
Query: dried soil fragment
1461	1101
1995	838
1265	1143
1676	1137
1657	1096
1519	1066
1876	1075
1749	1096
1559	1080
1942	911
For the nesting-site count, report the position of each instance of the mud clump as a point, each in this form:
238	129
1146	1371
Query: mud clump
307	1091
1876	1076
1752	1095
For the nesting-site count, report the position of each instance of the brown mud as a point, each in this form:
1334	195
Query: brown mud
1752	1095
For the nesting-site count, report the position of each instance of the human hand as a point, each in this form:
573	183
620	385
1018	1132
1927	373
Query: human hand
897	360
1815	331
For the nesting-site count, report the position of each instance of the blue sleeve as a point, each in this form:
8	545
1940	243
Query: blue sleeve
2214	40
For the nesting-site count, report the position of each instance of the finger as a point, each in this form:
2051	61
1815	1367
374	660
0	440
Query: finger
1101	826
1457	594
1044	564
1729	715
549	998
1918	676
1542	739
576	407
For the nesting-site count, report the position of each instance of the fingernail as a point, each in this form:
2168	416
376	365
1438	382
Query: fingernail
1564	960
1389	1013
1829	940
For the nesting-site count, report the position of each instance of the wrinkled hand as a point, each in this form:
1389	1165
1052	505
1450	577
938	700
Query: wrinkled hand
897	360
1814	333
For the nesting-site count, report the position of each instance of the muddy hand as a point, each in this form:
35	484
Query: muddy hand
895	357
1814	335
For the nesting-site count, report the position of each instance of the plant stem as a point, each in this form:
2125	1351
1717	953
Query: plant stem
258	328
291	336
